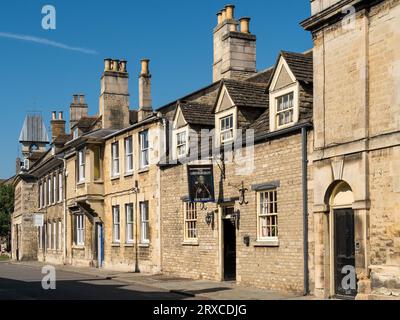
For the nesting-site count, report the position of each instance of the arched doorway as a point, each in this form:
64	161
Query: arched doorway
342	230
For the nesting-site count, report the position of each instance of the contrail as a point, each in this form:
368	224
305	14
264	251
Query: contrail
45	42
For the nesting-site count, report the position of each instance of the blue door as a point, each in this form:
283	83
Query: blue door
100	245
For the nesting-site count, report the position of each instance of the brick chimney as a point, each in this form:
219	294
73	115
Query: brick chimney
77	109
145	101
114	95
57	125
234	49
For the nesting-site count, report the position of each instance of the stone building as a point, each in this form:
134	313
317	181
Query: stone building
356	153
254	231
33	139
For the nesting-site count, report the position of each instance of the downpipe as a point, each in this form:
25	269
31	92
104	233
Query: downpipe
305	208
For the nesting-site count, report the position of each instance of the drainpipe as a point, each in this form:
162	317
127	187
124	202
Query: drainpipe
305	206
65	208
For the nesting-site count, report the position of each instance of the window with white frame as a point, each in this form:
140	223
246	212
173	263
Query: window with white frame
49	198
267	215
60	187
226	129
55	191
144	149
49	232
129	222
285	109
79	233
128	155
55	234
181	144
76	133
115	159
44	193
41	195
81	166
144	220
190	211
59	241
116	224
40	235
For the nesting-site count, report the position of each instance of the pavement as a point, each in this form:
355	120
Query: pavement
161	286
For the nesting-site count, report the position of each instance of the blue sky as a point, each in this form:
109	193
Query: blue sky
176	35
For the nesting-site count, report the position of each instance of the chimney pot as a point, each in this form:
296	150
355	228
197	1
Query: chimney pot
122	66
230	11
223	13
115	65
60	115
107	64
219	17
82	99
145	67
75	98
53	115
245	25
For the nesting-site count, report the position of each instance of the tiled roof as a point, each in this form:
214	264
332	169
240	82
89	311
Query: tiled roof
86	122
99	134
195	113
247	94
262	77
301	64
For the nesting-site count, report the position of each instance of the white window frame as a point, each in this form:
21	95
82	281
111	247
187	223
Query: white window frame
80	229
144	222
129	223
49	189
55	193
81	165
55	234
115	168
116	220
228	130
75	133
181	146
222	115
144	150
41	195
60	187
49	233
190	222
289	109
59	235
40	234
268	211
128	142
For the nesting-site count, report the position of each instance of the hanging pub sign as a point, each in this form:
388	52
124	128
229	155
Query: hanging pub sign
201	183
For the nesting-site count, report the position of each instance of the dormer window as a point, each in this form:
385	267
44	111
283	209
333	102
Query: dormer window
226	129
285	110
75	133
181	144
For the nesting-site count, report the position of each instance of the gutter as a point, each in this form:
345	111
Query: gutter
304	161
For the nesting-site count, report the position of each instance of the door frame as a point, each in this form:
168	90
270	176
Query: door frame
221	219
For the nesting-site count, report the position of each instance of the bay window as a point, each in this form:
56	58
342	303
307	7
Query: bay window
81	166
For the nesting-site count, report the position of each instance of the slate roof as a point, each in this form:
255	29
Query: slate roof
85	123
34	129
195	113
262	77
247	94
301	64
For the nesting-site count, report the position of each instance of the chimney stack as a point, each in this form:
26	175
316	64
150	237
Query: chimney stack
234	51
57	125
114	95
77	110
145	101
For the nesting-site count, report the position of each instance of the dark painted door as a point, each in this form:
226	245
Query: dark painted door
345	275
229	250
